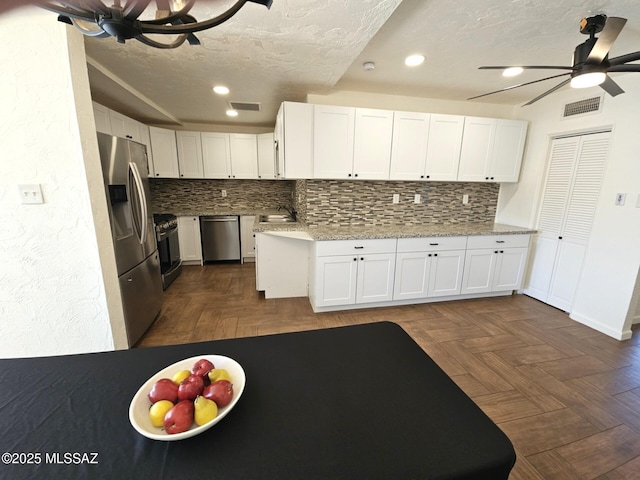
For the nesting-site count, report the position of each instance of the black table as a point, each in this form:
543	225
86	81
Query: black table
359	402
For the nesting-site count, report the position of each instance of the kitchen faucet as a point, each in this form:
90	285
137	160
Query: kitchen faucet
290	210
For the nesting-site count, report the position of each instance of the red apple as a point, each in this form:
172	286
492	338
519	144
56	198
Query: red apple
179	418
220	392
164	389
190	387
202	367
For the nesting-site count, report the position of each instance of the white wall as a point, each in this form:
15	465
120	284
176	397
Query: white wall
605	296
412	104
53	297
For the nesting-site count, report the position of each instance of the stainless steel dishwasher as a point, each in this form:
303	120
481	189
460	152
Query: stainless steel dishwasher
220	237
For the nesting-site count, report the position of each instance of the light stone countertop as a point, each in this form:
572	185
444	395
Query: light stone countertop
359	232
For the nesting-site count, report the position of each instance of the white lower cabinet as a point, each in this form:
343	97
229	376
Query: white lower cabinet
247	238
494	263
347	272
189	238
429	267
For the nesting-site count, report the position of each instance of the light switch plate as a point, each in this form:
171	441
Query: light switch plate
30	194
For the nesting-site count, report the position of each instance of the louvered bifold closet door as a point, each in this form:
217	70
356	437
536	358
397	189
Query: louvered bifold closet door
576	170
585	190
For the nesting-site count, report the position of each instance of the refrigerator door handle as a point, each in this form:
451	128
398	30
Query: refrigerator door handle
142	233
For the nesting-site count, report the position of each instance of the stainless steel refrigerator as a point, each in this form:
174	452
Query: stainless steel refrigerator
125	172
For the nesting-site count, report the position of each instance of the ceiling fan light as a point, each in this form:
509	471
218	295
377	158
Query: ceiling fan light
512	71
588	79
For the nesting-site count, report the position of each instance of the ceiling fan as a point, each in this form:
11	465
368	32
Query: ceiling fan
591	62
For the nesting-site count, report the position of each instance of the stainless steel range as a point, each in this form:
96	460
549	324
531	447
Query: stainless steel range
168	247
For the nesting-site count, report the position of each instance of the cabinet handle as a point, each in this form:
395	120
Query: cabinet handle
486	178
428	176
559	238
361	258
434	244
492	178
499	241
358	248
349	175
421	176
501	251
356	175
495	251
355	259
435	254
429	255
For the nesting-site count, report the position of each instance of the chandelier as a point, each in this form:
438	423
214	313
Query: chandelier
95	19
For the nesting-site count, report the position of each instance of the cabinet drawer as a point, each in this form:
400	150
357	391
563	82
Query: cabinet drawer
348	247
502	241
431	244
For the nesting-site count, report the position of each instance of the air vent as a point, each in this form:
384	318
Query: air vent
588	105
246	106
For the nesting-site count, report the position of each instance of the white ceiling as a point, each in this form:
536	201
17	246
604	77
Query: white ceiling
319	46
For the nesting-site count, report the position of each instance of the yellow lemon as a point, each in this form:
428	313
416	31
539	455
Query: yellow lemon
219	374
180	376
157	412
205	410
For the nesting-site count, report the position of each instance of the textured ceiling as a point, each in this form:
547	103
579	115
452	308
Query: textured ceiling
318	46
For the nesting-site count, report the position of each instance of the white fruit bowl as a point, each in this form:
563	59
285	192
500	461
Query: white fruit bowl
139	407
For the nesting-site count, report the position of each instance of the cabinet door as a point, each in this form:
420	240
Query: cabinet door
508	147
266	156
479	268
244	155
216	155
445	277
294	146
189	154
247	237
335	281
124	127
375	277
102	119
510	265
165	153
443	147
412	275
477	144
146	141
409	145
372	144
189	238
333	132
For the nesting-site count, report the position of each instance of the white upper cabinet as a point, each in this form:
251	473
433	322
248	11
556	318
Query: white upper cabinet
333	136
491	150
409	145
244	155
189	154
477	145
508	149
216	155
165	152
125	127
443	148
101	116
294	140
372	144
266	156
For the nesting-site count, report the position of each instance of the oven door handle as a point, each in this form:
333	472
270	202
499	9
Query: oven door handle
162	235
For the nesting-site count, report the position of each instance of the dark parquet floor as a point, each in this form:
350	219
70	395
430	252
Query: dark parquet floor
567	396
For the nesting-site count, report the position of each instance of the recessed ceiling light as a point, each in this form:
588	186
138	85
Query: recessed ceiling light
232	113
414	60
512	71
221	89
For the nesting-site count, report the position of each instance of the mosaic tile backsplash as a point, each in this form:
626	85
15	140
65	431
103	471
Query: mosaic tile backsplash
184	196
333	202
336	202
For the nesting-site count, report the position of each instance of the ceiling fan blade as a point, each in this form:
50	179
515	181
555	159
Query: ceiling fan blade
517	86
629	57
611	87
610	32
527	67
560	85
624	68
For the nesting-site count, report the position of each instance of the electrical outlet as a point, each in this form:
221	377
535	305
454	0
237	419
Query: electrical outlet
224	193
396	198
465	199
416	198
30	194
620	198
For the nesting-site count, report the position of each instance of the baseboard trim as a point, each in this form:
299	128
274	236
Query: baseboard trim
589	322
